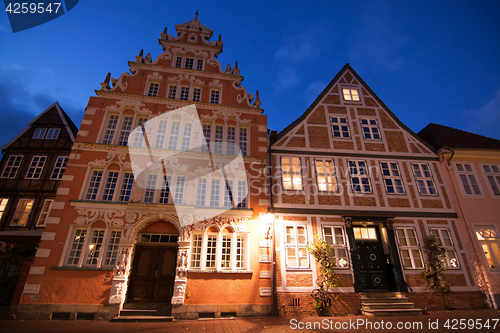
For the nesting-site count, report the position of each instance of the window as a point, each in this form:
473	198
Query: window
292	179
197	94
365	233
44	214
186	138
157	193
443	239
392	178
93	188
296	247
492	174
370	130
110	129
242	194
3	205
125	131
487	236
334	236
39	133
52	133
216	192
174	135
172	92
126	189
138	140
468	179
36	167
214	250
199	64
93	248
179	190
153	89
12	166
207	129
59	167
184	93
243	141
22	212
360	182
110	186
351	94
189	63
325	175
214	96
231	140
178	62
340	127
424	180
409	248
219	137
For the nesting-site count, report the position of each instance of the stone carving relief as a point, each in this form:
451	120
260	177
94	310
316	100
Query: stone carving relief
126	103
191	78
112	218
109	159
181	264
226	115
116	296
216	83
155	76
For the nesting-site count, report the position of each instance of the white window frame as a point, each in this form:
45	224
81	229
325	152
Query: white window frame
126	127
3	206
351	94
489	240
341	126
413	251
372	131
21	214
289	171
363	177
337	244
215	133
492	178
451	260
215	96
44	213
467	178
13	164
172	91
392	177
299	248
39	133
330	182
185	93
59	167
152	89
110	128
35	168
180	61
52	133
425	178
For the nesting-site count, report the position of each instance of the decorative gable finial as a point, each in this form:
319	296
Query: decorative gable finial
257	100
105	84
196	16
236	70
139	58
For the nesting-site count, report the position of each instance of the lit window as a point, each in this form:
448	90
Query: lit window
340	127
360	181
125	131
243	141
350	94
184	93
3	205
214	96
197	94
172	92
392	178
22	212
93	248
109	133
296	247
93	188
196	251
59	167
424	180
36	167
52	133
199	64
44	214
12	166
39	133
409	248
334	237
443	239
490	243
370	129
365	233
325	175
189	63
492	174
292	179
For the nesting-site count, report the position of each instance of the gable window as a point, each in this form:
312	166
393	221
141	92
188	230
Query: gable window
93	248
468	179
44	214
3	205
492	173
189	63
219	250
443	239
292	179
59	167
196	94
12	166
370	130
39	133
52	133
153	89
325	175
360	182
409	248
184	93
172	92
296	247
340	127
423	177
36	167
110	129
22	213
334	236
392	178
214	96
489	239
351	94
178	62
125	130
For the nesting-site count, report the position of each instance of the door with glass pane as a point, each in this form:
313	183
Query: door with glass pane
370	259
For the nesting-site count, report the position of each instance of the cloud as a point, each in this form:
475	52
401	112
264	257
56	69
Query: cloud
486	120
313	90
23	97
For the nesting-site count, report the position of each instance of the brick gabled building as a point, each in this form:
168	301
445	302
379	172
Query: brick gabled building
114	241
471	167
349	171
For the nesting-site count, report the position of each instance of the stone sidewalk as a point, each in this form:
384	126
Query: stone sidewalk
458	321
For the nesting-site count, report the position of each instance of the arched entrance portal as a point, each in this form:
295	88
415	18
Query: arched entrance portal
152	277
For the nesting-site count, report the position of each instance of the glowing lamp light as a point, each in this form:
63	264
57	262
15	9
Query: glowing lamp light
268	217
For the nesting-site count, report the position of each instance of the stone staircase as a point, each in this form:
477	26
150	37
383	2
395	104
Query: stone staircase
387	304
147	312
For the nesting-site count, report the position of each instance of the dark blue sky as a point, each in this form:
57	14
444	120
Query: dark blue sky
429	61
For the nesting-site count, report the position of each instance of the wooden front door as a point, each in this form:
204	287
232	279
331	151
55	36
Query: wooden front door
371	260
153	274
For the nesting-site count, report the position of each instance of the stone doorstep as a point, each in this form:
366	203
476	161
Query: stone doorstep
376	306
143	319
395	312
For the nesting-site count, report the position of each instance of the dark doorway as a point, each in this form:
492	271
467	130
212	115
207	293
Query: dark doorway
153	274
371	259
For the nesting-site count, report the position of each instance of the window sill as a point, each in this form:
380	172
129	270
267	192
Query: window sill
299	269
220	271
65	268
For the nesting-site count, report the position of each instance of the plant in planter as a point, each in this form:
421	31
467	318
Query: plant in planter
320	250
435	266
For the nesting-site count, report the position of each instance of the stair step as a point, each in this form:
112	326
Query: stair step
384	300
383	295
144	313
142	319
388	306
393	312
147	306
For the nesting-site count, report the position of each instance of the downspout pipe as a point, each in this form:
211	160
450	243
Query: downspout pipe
274	301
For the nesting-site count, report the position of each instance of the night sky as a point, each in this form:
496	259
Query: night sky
429	61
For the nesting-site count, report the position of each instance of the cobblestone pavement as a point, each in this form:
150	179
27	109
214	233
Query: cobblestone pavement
486	320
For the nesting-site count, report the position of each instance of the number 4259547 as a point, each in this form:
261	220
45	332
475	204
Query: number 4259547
32	7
